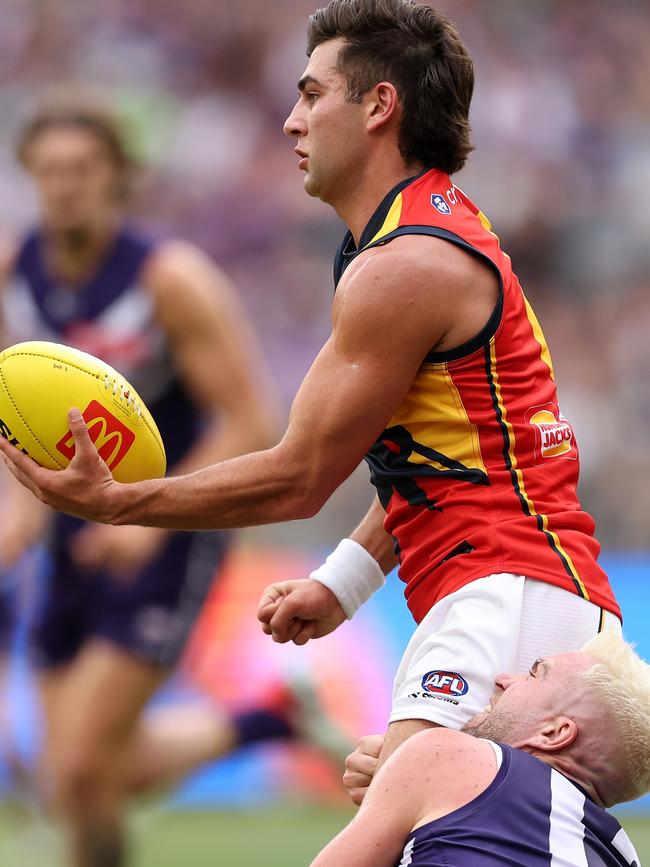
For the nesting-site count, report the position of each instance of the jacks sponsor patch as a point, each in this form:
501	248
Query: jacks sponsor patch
444	683
554	435
112	438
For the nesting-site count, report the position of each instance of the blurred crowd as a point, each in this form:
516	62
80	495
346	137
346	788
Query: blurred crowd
561	124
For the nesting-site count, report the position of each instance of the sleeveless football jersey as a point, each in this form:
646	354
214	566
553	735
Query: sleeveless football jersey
478	468
529	816
111	316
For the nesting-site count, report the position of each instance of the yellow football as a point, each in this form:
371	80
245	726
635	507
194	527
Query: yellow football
41	381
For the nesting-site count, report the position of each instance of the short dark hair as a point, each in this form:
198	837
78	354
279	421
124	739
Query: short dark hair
85	114
420	52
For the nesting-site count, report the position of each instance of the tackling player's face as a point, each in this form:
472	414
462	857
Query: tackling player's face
522	703
329	131
74	175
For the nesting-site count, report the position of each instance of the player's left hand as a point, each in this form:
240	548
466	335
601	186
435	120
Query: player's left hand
299	611
85	488
120	550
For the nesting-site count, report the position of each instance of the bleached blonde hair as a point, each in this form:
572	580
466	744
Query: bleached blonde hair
621	680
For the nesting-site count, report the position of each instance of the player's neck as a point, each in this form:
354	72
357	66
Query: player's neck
370	187
72	255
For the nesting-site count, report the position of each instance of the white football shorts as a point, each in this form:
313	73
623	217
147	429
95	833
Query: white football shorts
500	623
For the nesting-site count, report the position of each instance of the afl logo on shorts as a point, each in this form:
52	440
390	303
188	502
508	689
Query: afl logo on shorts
440	204
444	683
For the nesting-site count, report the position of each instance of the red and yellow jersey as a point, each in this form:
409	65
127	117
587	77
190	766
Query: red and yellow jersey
478	468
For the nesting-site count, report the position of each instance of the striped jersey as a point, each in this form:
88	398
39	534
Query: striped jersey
478	468
529	816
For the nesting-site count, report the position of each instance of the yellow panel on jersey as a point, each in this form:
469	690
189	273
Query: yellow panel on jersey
434	415
392	219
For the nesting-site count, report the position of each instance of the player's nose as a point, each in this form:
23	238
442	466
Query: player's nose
505	680
294	126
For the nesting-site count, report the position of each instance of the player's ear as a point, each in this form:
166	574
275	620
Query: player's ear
383	104
555	734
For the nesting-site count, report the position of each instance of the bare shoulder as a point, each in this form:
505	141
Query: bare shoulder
445	746
414	260
452	768
443	291
177	264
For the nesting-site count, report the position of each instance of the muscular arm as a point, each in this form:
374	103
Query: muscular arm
393	305
429	776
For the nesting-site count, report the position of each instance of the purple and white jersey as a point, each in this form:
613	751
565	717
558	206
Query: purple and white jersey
111	316
529	816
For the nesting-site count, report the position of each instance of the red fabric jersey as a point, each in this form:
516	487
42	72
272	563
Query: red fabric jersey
478	468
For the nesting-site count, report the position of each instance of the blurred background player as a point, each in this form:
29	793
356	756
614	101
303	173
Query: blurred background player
121	602
527	780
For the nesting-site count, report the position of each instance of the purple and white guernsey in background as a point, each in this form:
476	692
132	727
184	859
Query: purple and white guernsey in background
529	816
112	315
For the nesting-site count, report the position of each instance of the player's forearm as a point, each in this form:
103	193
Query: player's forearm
371	535
259	488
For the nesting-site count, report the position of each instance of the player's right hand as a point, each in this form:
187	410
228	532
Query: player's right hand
299	610
360	767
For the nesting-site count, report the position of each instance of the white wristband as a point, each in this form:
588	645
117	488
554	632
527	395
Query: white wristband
352	574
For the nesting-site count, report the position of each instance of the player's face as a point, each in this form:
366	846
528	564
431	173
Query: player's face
74	176
523	702
329	131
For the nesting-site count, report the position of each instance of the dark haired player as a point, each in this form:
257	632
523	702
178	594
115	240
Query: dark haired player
436	371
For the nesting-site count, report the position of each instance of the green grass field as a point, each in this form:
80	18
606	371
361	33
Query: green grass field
287	836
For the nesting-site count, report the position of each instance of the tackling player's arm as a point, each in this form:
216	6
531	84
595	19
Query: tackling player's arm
430	775
393	305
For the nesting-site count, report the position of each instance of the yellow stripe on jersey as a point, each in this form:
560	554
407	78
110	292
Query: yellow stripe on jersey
539	336
520	487
434	415
392	220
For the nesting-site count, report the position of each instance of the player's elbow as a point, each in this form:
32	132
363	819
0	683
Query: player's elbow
305	487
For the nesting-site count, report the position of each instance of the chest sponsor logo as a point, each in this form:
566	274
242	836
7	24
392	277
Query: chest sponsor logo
440	204
444	683
112	438
554	436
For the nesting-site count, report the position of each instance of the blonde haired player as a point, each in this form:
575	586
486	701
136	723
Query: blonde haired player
526	781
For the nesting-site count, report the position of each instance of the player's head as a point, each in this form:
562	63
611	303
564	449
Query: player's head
586	713
75	153
381	73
